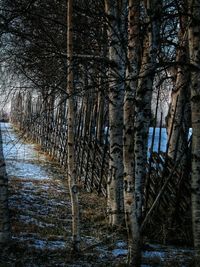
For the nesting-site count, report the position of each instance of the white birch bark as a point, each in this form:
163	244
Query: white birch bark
115	16
132	72
194	48
143	115
72	179
143	100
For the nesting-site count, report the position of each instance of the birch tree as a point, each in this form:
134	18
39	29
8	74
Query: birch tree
115	11
142	116
194	49
179	113
134	51
72	179
144	96
142	55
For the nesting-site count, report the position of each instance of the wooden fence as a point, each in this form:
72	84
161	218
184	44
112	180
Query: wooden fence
167	201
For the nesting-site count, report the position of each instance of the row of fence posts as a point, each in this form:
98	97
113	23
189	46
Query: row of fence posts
43	119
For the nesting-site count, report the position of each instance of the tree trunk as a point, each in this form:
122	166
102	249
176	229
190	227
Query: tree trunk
143	114
194	48
179	113
128	135
115	15
100	118
102	94
4	214
72	179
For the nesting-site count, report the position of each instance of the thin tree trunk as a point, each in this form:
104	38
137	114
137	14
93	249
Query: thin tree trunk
72	179
180	128
128	135
28	114
194	48
100	122
143	114
102	94
4	213
19	109
115	16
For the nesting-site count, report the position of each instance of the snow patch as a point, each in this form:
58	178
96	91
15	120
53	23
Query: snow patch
121	244
119	252
26	170
154	254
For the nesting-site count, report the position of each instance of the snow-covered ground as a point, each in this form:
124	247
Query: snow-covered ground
22	159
